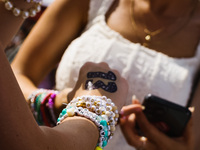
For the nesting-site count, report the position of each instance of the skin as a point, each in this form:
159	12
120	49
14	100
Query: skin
150	14
196	116
19	129
6	35
155	139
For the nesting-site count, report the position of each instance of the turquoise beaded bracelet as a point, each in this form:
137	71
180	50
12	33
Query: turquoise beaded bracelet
99	109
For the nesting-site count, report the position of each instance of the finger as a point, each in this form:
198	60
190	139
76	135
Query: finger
192	109
129	109
135	100
150	131
88	66
104	64
188	134
127	124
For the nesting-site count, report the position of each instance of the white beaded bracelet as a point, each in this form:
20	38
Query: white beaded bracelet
99	109
24	13
35	1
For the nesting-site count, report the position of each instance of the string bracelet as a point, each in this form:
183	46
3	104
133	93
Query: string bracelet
99	109
31	12
41	103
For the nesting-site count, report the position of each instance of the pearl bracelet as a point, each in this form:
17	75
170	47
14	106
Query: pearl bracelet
99	109
34	1
31	12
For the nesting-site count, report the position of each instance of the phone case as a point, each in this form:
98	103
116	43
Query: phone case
168	117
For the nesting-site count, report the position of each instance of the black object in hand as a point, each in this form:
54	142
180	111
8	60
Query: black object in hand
168	117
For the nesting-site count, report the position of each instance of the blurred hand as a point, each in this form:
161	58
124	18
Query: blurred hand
155	139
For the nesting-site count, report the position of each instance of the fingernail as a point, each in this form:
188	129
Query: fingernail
134	97
121	113
143	107
192	109
142	138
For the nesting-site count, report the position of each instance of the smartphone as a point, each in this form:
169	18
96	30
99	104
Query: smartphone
168	117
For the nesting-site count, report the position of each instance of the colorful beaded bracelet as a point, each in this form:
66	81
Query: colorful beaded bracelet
23	13
99	109
41	103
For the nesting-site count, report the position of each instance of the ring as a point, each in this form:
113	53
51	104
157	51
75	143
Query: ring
143	143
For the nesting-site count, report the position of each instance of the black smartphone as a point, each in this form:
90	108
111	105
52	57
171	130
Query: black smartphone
168	117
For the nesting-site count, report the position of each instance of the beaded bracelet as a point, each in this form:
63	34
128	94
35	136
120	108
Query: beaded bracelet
41	103
34	1
31	12
99	109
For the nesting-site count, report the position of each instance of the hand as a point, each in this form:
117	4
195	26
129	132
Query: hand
60	99
108	83
155	139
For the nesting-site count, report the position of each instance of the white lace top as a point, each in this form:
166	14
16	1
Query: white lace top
146	70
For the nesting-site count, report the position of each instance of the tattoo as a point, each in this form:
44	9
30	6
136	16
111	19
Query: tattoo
111	87
109	76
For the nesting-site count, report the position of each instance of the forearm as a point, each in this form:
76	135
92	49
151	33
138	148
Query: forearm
17	121
9	23
22	132
74	133
57	27
196	116
26	85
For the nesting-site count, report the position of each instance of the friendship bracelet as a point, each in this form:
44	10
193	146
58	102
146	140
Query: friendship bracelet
41	103
38	101
99	109
31	12
50	106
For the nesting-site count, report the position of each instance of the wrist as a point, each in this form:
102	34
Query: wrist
60	100
41	103
23	8
99	109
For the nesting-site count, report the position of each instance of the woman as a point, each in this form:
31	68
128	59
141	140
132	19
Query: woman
153	44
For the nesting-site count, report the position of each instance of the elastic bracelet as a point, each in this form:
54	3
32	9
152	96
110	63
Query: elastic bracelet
51	107
33	1
31	12
41	103
37	109
44	111
99	109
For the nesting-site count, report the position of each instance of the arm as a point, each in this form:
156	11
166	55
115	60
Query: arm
10	27
20	130
58	26
196	116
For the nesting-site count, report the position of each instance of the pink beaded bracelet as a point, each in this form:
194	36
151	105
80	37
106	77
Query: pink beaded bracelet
41	103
